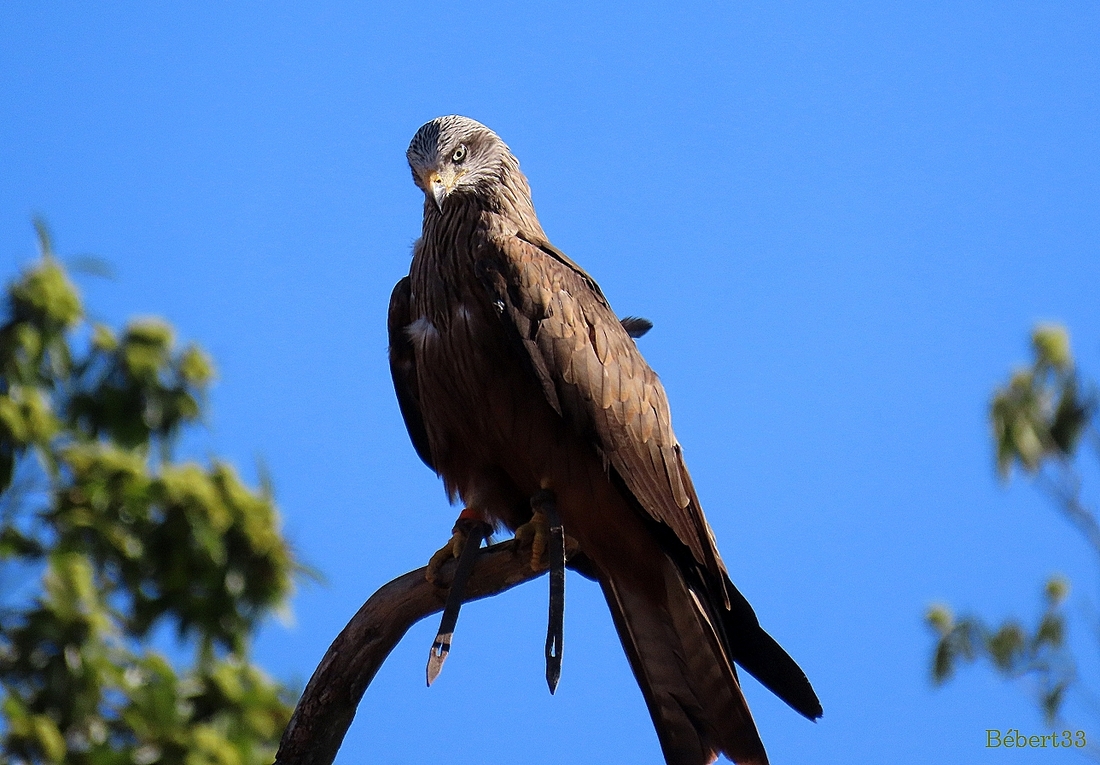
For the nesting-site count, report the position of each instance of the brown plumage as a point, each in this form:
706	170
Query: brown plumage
514	375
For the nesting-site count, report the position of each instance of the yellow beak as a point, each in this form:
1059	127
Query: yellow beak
440	184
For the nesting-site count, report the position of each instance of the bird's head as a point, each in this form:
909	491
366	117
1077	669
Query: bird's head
454	155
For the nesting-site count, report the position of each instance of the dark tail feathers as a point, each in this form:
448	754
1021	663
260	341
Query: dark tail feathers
758	654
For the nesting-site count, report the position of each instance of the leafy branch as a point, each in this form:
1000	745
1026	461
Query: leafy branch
119	538
1039	419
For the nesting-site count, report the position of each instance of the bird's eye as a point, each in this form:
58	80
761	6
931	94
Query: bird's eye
459	155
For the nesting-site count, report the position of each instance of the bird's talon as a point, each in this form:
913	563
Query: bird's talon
536	533
452	549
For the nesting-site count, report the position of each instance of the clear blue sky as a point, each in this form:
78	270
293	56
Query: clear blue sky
843	220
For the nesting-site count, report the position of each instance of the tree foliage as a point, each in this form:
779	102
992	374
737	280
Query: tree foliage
107	544
1041	420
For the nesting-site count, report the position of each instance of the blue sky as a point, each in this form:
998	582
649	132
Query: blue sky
843	220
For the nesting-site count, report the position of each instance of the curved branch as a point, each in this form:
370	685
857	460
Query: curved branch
328	703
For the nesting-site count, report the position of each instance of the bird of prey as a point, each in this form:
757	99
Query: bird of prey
517	381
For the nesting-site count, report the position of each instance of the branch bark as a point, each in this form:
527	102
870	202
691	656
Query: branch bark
327	706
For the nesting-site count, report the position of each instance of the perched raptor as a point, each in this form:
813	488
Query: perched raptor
515	378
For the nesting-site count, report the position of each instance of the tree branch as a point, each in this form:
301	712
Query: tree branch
1066	491
327	706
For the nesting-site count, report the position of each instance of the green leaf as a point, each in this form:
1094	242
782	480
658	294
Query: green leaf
1052	632
1051	344
1006	645
940	618
1052	701
49	738
195	366
1056	590
103	339
46	298
1070	418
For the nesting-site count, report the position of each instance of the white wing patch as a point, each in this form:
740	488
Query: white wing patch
421	332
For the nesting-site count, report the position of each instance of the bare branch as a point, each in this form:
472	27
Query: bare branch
327	706
1066	492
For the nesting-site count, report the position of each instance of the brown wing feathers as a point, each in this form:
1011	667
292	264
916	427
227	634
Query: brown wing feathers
403	371
614	394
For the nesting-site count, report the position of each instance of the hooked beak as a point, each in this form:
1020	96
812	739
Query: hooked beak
441	184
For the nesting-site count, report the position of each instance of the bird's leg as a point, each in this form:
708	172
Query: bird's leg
453	549
469	531
535	533
544	504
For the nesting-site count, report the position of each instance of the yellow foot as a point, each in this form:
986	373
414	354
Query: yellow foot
536	532
467	521
452	549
